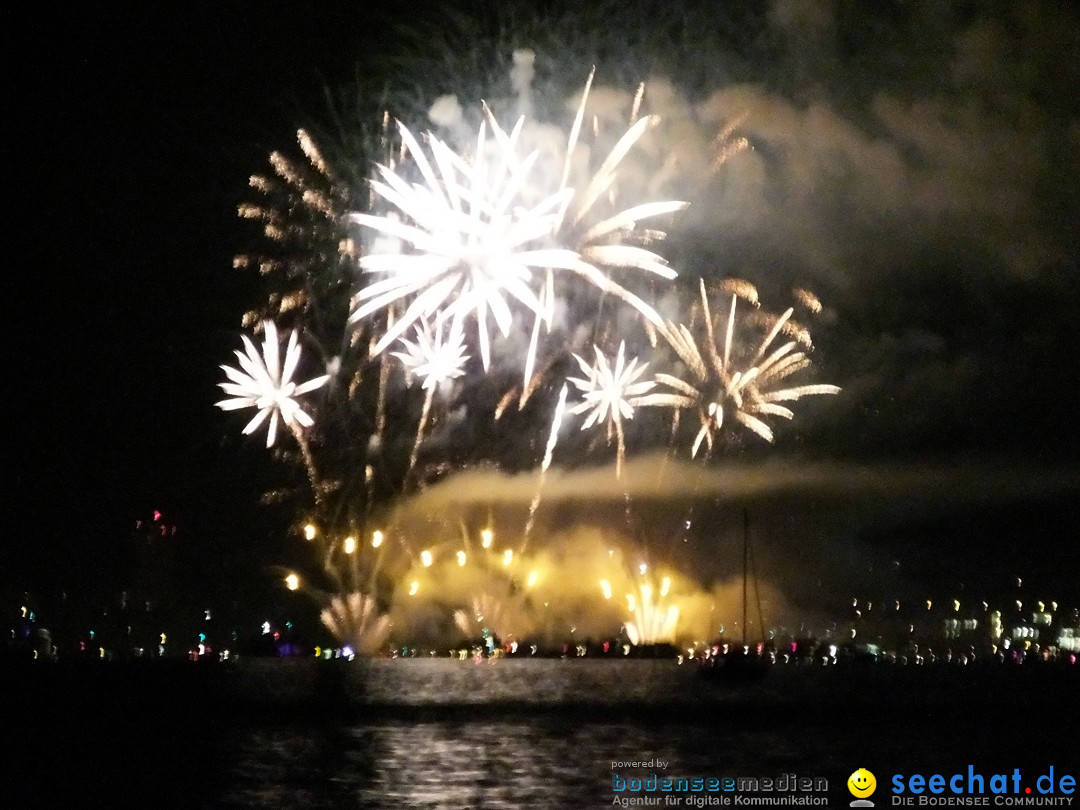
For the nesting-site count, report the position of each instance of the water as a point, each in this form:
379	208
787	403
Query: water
528	734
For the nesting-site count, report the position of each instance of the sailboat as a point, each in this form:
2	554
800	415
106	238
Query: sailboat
740	664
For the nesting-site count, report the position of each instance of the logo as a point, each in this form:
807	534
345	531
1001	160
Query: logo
862	784
979	789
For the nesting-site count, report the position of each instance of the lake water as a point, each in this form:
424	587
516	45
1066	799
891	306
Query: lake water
514	733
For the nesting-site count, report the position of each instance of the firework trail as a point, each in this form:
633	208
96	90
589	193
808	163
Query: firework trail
553	438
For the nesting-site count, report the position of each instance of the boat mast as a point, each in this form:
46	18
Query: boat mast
745	566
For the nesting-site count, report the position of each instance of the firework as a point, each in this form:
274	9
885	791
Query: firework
355	620
302	207
434	357
480	233
727	381
549	451
519	233
610	392
262	382
493	617
653	622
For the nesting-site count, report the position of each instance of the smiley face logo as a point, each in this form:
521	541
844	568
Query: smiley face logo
861	783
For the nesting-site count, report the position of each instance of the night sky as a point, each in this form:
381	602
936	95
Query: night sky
917	165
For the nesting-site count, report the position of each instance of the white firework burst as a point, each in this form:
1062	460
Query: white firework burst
480	233
264	383
748	393
611	390
433	357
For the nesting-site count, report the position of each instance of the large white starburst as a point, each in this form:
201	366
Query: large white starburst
473	236
263	382
747	393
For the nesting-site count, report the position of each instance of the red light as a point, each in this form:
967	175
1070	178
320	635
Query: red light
157	515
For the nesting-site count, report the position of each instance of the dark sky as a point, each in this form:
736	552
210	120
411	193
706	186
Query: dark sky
131	136
921	160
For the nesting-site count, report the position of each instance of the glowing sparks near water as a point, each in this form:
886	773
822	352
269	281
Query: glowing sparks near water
653	622
263	382
494	617
355	620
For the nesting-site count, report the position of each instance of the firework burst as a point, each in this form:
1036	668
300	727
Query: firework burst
726	381
301	208
436	360
611	390
479	233
264	383
434	357
521	234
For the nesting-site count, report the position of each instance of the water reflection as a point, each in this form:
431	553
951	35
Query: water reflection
533	734
539	763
